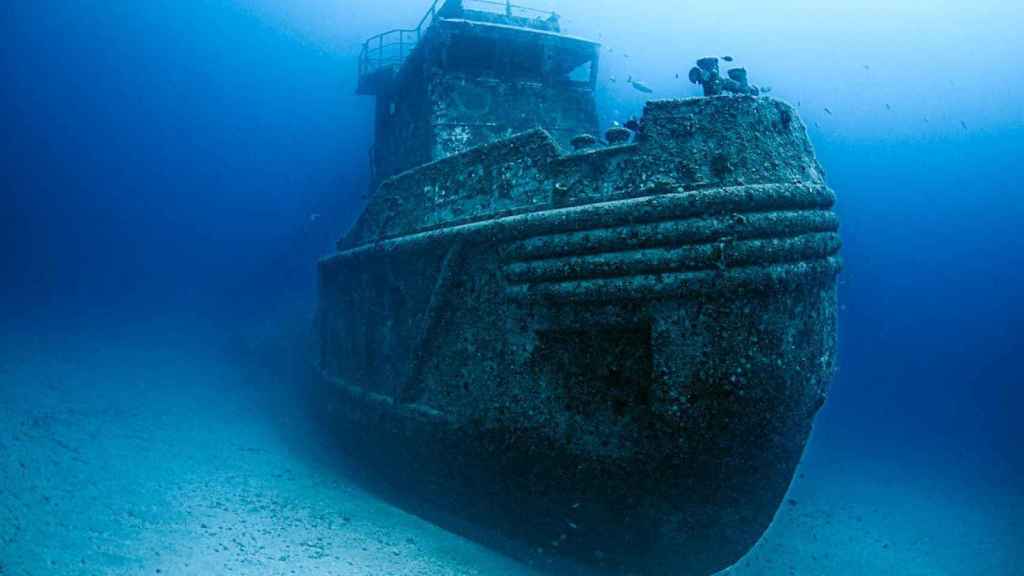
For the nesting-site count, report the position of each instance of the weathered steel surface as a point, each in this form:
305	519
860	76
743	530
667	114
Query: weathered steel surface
614	355
469	83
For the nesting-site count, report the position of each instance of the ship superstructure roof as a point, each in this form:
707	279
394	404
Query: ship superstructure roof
384	55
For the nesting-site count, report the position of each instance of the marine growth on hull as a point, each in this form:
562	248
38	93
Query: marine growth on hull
608	348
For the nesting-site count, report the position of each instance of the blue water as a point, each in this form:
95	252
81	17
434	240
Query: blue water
172	171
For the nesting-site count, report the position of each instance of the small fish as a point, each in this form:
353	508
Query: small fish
827	111
612	79
727	58
640	86
677	76
314	217
887	106
963	124
765	89
867	67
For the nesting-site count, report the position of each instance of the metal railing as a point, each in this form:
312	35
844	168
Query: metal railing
508	9
391	49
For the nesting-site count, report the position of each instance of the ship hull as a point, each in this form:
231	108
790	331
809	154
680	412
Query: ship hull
628	383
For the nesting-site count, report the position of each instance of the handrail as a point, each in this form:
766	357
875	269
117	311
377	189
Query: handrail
372	56
371	63
510	7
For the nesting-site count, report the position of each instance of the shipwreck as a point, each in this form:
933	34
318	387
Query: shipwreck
609	347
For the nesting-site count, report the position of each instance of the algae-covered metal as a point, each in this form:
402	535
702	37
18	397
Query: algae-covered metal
467	76
613	355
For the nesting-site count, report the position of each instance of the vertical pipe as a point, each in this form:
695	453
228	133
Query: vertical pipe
508	8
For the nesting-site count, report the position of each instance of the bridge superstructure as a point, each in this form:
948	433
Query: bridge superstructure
469	73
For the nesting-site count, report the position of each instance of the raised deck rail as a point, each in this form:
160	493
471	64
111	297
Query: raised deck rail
387	51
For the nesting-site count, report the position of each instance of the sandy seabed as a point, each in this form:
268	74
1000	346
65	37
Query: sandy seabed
158	455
